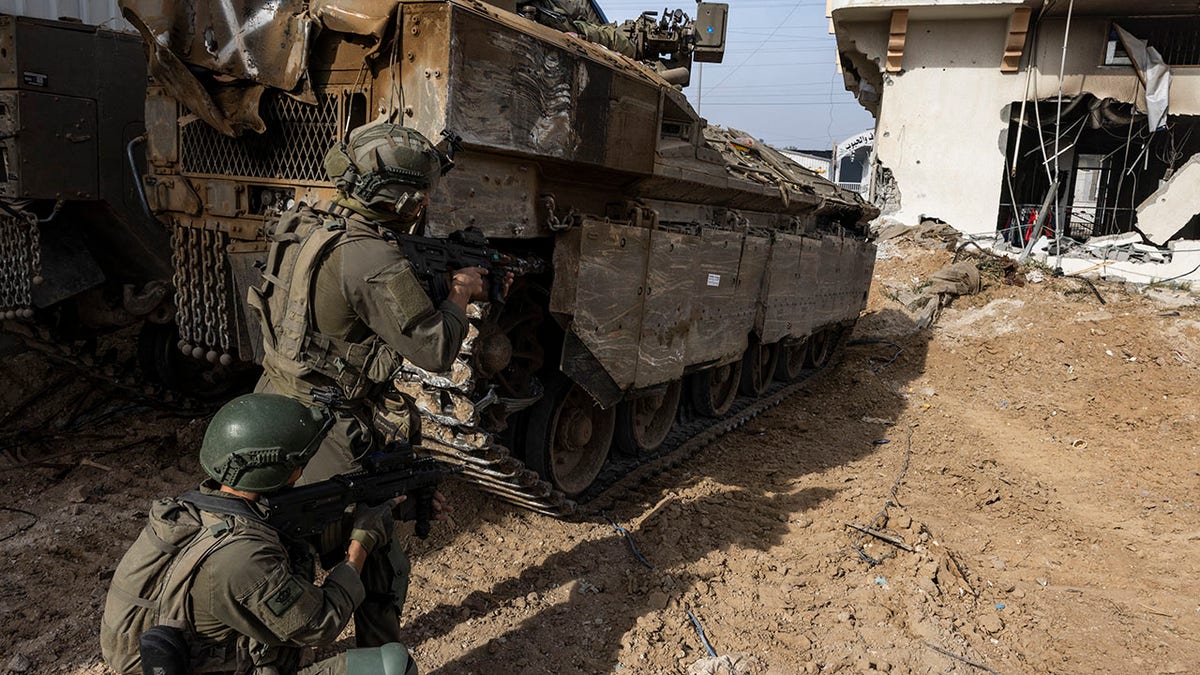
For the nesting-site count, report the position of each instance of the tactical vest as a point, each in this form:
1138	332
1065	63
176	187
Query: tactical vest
152	583
293	349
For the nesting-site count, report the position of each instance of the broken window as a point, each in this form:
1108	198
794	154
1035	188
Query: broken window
1177	38
1108	165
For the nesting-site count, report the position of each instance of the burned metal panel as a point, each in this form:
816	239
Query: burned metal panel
633	118
868	251
73	99
668	303
808	316
566	272
496	194
515	92
594	88
425	68
782	288
609	293
266	42
715	334
512	91
680	213
361	17
828	280
748	294
53	152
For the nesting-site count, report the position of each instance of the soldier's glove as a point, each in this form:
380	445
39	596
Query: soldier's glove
373	525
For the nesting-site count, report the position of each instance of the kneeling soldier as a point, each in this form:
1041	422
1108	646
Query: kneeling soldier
211	587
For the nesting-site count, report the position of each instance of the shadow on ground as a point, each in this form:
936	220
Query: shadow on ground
739	493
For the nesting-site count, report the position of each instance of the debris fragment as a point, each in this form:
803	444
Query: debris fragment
729	664
19	663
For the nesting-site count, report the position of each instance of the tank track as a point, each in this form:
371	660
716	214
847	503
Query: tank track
457	439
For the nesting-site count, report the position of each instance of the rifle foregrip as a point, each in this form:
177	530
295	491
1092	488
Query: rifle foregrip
424	511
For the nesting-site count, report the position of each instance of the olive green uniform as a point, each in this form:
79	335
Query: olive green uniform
365	310
246	601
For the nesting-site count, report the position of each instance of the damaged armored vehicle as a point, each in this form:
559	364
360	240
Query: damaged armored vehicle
79	254
682	264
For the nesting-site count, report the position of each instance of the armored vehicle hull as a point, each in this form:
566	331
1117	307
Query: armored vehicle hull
79	255
686	263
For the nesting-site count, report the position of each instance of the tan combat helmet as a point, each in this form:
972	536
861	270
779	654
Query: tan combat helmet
386	169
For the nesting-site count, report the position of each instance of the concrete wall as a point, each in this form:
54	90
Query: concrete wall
942	123
94	12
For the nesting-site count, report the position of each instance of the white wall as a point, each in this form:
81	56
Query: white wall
943	121
94	12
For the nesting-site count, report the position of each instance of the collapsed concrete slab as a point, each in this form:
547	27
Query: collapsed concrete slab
1173	206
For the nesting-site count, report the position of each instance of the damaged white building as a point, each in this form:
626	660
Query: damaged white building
1061	128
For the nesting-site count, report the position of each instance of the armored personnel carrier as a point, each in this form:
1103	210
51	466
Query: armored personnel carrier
79	254
684	263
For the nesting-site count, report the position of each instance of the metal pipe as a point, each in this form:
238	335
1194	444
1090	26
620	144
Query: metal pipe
137	176
1062	69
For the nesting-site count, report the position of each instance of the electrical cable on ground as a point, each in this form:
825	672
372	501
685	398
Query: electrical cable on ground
628	537
880	520
703	638
1091	285
956	657
20	529
877	364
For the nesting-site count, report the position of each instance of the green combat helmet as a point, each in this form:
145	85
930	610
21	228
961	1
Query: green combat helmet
257	441
385	170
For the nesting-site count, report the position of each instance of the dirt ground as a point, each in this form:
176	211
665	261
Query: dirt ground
1032	461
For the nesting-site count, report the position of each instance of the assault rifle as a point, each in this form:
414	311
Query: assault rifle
396	470
433	258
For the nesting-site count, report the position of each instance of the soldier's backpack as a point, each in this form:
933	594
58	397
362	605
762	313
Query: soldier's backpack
151	583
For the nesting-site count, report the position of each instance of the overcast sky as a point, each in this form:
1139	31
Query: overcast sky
779	79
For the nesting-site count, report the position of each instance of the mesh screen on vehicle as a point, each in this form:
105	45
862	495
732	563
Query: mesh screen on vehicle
292	148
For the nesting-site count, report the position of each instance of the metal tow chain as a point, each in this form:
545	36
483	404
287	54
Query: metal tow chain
179	260
8	263
207	263
220	242
20	264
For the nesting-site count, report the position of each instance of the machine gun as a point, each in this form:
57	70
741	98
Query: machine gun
432	259
396	470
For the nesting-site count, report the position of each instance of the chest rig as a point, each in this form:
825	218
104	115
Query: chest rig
293	349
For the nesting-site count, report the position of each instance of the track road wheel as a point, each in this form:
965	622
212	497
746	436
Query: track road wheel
758	367
568	436
792	355
713	390
820	347
644	422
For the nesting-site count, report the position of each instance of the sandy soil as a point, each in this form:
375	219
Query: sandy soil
1038	478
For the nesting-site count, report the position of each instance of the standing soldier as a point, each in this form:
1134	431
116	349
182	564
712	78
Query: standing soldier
341	307
210	586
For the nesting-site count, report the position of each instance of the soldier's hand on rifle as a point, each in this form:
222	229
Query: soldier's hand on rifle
373	525
467	284
441	509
